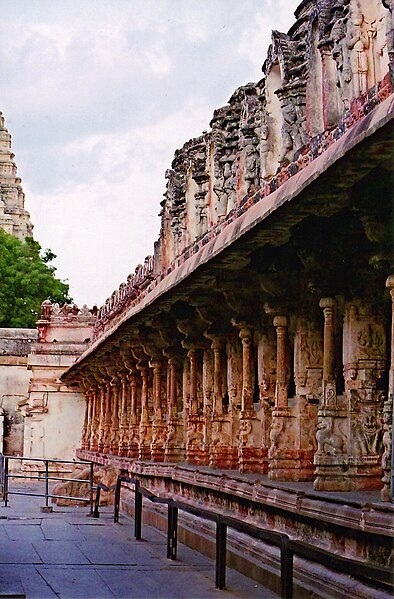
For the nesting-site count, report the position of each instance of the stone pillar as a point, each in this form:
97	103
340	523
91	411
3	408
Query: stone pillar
194	434
115	393
364	345
145	427
331	455
94	433
86	423
282	452
192	355
124	413
387	457
132	450
174	445
308	373
250	450
103	406
247	370
107	417
222	454
217	379
159	427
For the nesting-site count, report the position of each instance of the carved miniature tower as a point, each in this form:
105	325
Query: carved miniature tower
14	219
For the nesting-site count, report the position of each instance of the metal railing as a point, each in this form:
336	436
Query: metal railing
375	576
6	475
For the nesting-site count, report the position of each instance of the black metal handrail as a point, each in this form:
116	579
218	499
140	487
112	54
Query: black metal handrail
5	476
377	576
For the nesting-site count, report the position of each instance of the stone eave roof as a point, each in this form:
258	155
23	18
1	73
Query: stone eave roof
260	211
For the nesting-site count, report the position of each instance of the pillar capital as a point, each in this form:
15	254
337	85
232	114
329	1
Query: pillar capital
281	321
328	302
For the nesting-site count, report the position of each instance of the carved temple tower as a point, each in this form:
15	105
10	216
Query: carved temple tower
14	219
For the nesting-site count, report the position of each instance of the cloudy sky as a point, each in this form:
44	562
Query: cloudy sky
98	94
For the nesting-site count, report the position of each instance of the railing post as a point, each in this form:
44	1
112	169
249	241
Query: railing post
137	512
5	496
286	572
221	548
96	512
117	499
46	508
172	531
91	487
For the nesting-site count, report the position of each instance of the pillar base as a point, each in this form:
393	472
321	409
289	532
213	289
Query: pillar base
223	457
252	459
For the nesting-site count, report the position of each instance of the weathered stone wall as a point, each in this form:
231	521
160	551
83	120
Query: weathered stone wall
53	411
15	345
42	416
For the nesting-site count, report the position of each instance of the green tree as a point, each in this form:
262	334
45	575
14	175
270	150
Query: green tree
26	279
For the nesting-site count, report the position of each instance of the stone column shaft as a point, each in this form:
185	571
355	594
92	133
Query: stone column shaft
217	379
247	370
144	396
192	355
281	395
172	396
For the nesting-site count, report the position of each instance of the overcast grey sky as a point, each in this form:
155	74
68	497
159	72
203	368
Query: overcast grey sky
98	94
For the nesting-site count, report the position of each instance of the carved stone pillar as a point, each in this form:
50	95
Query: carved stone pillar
250	450
364	341
217	378
387	457
222	453
283	434
107	417
86	423
331	456
159	432
308	373
247	370
192	355
115	395
102	416
145	427
124	413
174	445
132	450
94	432
195	453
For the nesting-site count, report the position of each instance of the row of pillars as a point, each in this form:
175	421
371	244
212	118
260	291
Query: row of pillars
200	406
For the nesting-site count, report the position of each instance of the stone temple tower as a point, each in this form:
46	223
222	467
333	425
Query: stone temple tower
14	219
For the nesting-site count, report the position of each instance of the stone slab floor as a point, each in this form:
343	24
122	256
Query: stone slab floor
69	555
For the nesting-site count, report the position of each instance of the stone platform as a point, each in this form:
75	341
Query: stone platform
356	525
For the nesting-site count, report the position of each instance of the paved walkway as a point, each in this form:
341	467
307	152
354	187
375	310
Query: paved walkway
69	555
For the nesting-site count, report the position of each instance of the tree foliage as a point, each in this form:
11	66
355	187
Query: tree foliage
27	278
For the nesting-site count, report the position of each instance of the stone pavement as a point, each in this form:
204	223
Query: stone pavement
69	555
